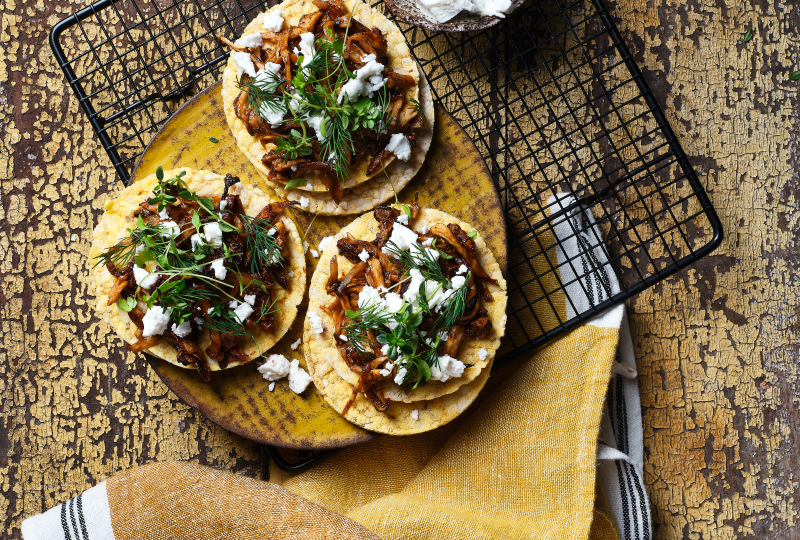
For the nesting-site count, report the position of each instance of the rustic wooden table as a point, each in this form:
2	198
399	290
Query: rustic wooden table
716	344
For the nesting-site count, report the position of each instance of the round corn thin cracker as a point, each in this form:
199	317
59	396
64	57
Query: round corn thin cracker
118	217
323	356
400	60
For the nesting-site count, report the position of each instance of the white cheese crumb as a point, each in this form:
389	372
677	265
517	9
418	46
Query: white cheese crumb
458	281
368	79
304	201
384	350
273	21
314	253
448	368
212	234
461	270
298	378
401	373
183	329
75	237
296	344
428	242
402	218
170	229
291	273
483	353
307	48
240	310
325	383
444	335
402	237
271	386
415	414
162	214
218	266
323	244
309	187
276	367
249	41
424	229
250	299
364	256
140	248
244	64
399	146
316	322
199	322
223	204
343	337
144	279
155	321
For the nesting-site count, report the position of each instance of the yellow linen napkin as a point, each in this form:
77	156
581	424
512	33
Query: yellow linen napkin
520	463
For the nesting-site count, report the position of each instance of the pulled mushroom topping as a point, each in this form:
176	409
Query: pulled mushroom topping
194	264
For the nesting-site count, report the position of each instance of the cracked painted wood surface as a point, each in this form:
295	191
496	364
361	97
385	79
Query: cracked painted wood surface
715	343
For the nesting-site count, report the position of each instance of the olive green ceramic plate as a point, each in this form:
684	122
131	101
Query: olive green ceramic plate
454	179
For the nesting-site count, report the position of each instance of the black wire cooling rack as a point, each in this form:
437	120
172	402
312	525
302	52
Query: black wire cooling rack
551	96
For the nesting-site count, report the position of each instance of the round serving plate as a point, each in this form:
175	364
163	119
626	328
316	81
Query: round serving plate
454	179
409	11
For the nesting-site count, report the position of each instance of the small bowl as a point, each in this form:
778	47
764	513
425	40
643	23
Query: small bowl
463	22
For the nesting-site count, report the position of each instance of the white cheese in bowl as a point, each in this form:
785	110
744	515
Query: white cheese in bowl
444	10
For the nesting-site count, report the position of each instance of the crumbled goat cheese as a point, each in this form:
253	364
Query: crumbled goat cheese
444	335
323	244
316	322
244	64
403	218
218	266
448	368
304	201
170	229
458	281
412	293
325	383
415	414
461	270
368	79
385	372
418	253
271	386
199	322
307	48
315	253
140	248
296	344
298	378
444	10
144	279
402	237
273	257
155	321
276	367
272	232
401	374
428	242
343	337
162	214
250	299
240	310
364	256
400	147
273	21
249	41
309	187
212	234
183	329
384	350
291	273
223	205
197	240
424	229
483	353
274	115
316	123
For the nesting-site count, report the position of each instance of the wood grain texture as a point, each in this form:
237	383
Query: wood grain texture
716	344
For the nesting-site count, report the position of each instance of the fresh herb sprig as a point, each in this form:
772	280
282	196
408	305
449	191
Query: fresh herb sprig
363	321
421	259
264	250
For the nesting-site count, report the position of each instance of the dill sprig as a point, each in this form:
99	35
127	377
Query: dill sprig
421	259
261	245
454	308
363	321
222	319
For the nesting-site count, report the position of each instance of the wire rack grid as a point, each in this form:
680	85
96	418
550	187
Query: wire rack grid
551	96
